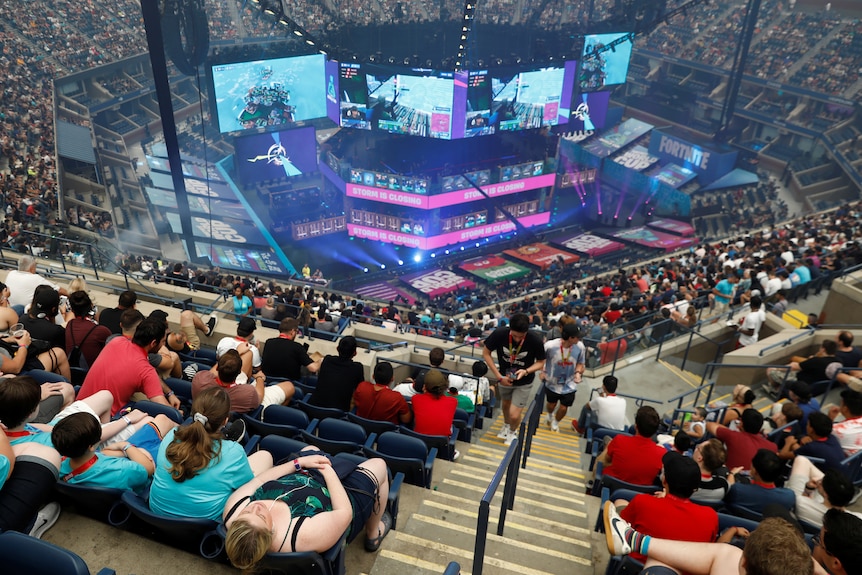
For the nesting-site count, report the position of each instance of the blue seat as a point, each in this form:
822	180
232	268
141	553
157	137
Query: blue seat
596	440
280	447
102	503
338	436
372	425
407	455
853	465
444	444
152	408
321	413
452	568
285	421
178	531
726	520
614	484
464	422
330	562
25	555
285	415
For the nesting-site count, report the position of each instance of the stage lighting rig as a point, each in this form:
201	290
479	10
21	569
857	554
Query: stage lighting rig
466	27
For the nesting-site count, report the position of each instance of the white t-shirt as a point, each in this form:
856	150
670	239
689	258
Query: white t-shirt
610	411
228	343
753	320
22	285
772	286
560	366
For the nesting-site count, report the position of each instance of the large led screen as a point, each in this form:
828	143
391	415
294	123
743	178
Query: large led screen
415	101
269	93
275	155
525	100
600	67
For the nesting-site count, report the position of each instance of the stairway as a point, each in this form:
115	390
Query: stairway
547	532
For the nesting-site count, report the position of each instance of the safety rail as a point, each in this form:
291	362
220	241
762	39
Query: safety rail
708	388
710	369
784	343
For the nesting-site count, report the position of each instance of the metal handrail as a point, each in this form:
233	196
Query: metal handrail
784	343
710	368
678	398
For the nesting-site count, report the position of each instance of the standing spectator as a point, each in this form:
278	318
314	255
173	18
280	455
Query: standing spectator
520	354
565	363
378	402
338	377
749	327
242	304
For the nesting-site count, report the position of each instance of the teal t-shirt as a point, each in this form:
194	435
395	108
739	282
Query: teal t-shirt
114	472
5	469
205	494
33	434
726	288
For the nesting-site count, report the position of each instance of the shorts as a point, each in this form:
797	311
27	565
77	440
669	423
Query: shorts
148	439
191	336
49	408
75	407
776	376
854	383
519	395
566	399
658	570
28	488
273	395
361	489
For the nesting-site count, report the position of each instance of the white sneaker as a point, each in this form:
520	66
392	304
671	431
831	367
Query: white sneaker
504	431
615	529
511	437
549	418
45	519
456	455
555	425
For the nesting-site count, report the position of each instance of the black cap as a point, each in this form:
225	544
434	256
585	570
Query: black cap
681	473
571	330
246	326
159	314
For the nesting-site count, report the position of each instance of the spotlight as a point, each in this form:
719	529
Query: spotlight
447	252
462	248
417	258
400	262
433	255
477	244
365	270
383	266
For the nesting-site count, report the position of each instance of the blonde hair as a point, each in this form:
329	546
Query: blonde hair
77	284
246	545
195	445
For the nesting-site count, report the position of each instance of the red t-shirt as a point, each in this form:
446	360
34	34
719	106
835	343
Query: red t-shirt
634	459
379	403
671	517
433	415
122	368
742	446
609	350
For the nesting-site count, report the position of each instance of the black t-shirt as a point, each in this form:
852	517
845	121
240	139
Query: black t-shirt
283	357
45	330
814	369
531	350
110	318
336	381
849	358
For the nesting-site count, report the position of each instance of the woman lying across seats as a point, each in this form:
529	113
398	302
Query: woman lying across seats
306	505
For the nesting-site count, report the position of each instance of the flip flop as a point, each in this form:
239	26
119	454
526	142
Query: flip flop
374	544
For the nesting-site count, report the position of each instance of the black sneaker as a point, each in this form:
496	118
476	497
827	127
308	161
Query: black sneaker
235	430
211	323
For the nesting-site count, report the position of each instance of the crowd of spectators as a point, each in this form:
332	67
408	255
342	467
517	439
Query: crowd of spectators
780	45
842	60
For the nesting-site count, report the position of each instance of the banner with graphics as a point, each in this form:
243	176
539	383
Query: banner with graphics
709	160
437	282
593	246
541	255
672	226
636	158
211	189
240	258
653	239
383	291
494	268
222	231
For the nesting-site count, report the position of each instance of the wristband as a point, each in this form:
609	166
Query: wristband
127	420
169	394
296	465
126	449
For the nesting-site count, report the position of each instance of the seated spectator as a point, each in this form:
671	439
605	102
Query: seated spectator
378	402
766	468
284	357
672	514
196	469
22	283
242	304
245	344
165	361
635	459
433	410
475	380
123	368
742	444
710	457
123	465
28	472
464	402
110	317
847	354
416	384
818	442
338	377
244	397
788	412
83	332
47	350
817	492
799	393
847	421
741	399
607	411
809	370
304	505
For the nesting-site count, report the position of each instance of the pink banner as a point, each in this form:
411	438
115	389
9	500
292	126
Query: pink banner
589	244
437	282
673	226
385	292
653	239
426	202
434	242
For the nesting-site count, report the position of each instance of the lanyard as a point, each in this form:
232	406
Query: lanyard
564	357
24	433
224	385
513	353
82	468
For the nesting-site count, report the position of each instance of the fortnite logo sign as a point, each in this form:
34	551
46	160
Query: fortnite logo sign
690	154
